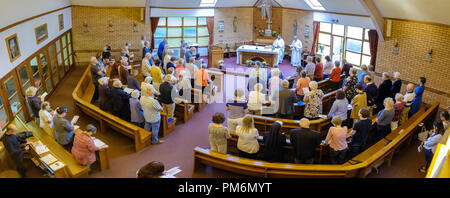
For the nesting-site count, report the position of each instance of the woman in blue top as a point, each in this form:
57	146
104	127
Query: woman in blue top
415	106
431	143
339	107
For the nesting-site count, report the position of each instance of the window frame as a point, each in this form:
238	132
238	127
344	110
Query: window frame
182	37
345	42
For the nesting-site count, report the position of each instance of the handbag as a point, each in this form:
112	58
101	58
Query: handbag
423	135
22	136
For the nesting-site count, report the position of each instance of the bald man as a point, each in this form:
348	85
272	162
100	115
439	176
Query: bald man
286	99
305	141
12	145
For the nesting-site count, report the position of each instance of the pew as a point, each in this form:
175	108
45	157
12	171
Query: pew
263	123
197	99
325	85
167	125
184	111
359	166
82	96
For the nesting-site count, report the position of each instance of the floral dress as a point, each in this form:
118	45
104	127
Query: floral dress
350	92
314	106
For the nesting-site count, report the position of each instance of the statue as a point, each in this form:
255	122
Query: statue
266	7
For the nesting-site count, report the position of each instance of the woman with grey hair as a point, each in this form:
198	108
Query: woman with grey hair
384	118
313	101
256	100
104	94
396	85
137	114
84	148
34	101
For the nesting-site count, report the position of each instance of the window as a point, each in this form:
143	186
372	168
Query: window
314	4
174	29
205	3
339	41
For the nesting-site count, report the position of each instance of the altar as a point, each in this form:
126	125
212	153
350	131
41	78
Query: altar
253	52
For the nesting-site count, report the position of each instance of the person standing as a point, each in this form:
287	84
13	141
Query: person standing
146	65
384	119
63	129
132	81
285	99
339	107
96	73
137	114
104	94
201	78
415	106
34	102
161	49
337	139
318	71
350	85
151	108
398	108
279	44
358	102
157	75
84	147
304	142
303	82
120	101
238	107
363	75
328	67
346	67
191	69
167	59
372	91
313	101
430	145
360	132
12	145
168	94
189	54
296	48
218	134
310	67
248	138
396	85
273	142
46	118
146	49
384	91
256	100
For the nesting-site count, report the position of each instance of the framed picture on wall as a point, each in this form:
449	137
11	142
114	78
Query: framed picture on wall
13	47
41	33
61	22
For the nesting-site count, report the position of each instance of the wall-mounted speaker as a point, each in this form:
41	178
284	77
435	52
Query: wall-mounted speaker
388	28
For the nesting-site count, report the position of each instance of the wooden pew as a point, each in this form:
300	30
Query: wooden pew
82	96
325	85
197	99
184	110
167	124
359	166
263	123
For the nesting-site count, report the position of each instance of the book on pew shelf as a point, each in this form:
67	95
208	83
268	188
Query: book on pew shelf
75	119
56	166
44	95
48	159
98	143
41	149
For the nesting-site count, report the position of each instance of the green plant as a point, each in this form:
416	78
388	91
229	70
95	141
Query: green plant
249	63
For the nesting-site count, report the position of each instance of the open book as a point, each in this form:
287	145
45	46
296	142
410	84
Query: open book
128	90
44	95
75	119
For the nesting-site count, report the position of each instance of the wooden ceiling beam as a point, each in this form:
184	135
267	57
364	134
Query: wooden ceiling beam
376	17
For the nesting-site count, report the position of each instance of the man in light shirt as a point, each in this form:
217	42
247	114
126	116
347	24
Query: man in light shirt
191	69
167	59
310	68
146	65
151	108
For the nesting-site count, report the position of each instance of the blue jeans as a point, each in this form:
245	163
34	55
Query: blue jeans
154	129
325	76
428	157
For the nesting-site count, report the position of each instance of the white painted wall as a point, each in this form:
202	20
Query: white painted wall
13	11
27	39
356	21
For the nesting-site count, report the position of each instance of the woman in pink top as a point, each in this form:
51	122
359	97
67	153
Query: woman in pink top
302	82
83	149
337	139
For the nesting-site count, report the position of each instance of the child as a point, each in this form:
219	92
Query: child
398	108
337	139
218	134
360	131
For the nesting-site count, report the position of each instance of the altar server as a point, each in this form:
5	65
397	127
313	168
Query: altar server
279	43
296	47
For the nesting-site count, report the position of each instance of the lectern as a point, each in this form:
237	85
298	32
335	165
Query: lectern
215	53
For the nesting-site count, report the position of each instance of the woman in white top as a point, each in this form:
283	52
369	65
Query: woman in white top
46	118
328	67
184	87
248	138
274	82
256	100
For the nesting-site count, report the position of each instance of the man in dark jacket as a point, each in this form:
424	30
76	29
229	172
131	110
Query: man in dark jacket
96	73
132	80
12	145
304	142
371	90
285	100
384	91
346	68
63	129
168	93
120	101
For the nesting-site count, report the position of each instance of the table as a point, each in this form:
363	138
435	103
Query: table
249	52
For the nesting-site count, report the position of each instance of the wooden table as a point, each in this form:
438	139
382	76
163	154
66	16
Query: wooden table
249	52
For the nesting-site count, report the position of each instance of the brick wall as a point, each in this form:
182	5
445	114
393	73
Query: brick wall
414	42
98	22
244	26
303	18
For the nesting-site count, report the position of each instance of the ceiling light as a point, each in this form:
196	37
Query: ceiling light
208	3
314	4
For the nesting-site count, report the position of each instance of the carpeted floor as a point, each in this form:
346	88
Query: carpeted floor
177	150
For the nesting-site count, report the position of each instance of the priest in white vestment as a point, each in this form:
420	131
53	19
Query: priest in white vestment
296	46
279	43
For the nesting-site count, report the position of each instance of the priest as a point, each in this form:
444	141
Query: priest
279	44
296	46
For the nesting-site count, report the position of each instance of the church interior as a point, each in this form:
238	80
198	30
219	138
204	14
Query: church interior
224	89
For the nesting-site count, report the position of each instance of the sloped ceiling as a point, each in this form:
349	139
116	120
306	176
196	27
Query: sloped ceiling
421	10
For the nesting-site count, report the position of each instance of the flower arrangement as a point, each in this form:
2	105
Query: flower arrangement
321	48
264	64
274	33
261	32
